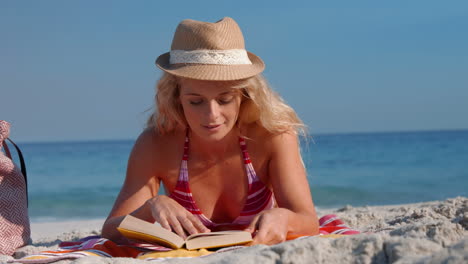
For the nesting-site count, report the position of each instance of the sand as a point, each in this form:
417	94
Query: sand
431	232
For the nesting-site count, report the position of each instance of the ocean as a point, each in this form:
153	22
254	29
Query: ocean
80	180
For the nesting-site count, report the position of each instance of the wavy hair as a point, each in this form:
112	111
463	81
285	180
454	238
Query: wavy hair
260	105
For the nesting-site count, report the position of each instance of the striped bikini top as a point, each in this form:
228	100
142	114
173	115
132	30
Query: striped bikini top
259	197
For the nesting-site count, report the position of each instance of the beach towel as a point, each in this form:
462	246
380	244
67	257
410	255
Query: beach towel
330	227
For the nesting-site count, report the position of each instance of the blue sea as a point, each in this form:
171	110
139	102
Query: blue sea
80	180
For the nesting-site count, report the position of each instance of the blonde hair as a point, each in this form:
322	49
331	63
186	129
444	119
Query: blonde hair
260	105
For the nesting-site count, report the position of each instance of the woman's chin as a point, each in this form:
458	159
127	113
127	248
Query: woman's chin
214	133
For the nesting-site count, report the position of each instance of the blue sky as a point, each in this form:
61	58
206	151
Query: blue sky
85	70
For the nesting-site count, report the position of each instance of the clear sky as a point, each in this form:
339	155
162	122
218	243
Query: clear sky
83	70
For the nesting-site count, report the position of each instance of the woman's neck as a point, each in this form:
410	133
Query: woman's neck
214	150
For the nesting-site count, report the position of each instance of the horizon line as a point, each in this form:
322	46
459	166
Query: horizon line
309	135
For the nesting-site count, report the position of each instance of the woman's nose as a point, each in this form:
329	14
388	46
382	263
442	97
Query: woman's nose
213	109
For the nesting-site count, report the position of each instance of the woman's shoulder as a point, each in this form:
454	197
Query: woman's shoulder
270	142
153	137
260	134
156	147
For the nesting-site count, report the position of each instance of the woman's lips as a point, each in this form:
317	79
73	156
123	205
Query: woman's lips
211	127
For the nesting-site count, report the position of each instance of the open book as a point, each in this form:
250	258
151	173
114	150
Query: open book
140	230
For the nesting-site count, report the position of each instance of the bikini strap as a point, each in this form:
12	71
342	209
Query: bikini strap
245	154
186	146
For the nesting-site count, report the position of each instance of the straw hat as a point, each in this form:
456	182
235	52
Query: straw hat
210	51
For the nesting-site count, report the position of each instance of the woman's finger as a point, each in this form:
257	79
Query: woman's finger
253	224
263	236
164	223
261	233
187	225
177	227
173	216
198	224
269	231
269	236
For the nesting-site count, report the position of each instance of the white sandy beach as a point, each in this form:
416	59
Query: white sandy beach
431	232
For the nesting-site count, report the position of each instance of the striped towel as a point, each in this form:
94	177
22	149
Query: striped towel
90	246
330	226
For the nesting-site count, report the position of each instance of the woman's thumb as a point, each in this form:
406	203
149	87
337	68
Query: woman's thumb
252	226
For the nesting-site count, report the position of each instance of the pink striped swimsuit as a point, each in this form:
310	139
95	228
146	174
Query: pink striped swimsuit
259	197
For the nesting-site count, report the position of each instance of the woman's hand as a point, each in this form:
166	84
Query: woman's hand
270	226
172	216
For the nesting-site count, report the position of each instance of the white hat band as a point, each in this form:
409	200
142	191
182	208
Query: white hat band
219	57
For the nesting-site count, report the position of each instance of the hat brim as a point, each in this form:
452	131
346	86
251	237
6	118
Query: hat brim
210	71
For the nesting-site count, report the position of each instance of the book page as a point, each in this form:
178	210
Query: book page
217	239
217	233
134	228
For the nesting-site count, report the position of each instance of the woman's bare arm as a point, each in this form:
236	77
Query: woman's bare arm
138	195
140	184
296	213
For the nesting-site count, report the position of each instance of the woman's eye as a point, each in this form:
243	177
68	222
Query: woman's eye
195	102
226	100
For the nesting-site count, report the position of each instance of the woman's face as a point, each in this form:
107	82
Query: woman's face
211	108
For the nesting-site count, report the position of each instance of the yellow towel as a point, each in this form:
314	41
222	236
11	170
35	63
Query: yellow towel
184	253
332	236
177	253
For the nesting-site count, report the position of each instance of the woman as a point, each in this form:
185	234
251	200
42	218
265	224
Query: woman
224	146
